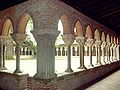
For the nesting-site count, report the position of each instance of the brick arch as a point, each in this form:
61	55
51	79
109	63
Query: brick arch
7	26
103	37
66	24
108	38
89	32
115	40
23	22
79	30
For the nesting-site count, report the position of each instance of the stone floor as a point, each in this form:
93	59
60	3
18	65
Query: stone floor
111	82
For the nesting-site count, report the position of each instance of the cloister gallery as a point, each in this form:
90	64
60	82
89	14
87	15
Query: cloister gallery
81	37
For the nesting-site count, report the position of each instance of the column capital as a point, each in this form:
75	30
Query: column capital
104	44
68	38
18	37
51	33
90	42
3	39
109	44
80	40
97	43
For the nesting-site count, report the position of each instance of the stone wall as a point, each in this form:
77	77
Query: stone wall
9	81
71	81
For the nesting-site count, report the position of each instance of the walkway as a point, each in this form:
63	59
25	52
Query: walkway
111	82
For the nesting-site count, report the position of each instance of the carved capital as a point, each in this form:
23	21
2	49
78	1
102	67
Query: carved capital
80	40
51	33
68	38
3	40
104	44
90	42
18	37
98	43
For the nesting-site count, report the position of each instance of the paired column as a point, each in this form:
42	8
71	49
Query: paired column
81	42
98	52
108	52
3	42
103	51
19	39
45	53
111	52
68	39
90	43
114	49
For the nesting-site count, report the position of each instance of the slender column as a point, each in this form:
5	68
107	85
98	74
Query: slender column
98	52
103	51
111	52
68	39
90	43
115	52
1	53
45	53
5	41
118	52
108	52
81	42
19	39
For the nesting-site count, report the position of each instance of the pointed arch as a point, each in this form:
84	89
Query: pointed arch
79	30
88	32
103	37
66	24
7	27
108	38
23	22
97	35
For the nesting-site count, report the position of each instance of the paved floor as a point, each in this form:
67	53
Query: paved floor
111	82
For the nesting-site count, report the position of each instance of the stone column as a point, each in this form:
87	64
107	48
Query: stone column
108	52
81	42
115	52
90	43
1	53
98	51
118	52
19	39
5	39
103	51
111	52
68	40
45	53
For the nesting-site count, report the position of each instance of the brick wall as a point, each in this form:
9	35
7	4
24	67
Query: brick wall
71	81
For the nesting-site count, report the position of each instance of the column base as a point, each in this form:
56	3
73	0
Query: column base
40	76
82	67
68	70
91	65
108	62
17	71
4	68
1	68
98	64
